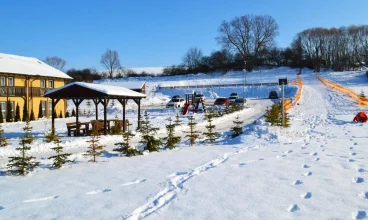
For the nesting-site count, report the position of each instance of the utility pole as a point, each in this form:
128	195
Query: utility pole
245	70
282	106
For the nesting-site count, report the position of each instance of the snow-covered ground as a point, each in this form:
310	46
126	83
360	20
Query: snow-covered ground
316	169
355	80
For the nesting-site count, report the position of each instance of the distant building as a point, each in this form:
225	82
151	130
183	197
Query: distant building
24	81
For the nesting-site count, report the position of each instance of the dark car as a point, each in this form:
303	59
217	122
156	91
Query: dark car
222	101
240	101
273	95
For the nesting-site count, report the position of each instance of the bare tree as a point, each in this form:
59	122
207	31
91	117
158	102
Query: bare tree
110	60
248	35
55	62
192	58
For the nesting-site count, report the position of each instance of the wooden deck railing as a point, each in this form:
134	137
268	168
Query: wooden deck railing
21	91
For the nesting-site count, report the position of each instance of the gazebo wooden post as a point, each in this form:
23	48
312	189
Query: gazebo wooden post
96	105
138	101
123	103
77	102
54	102
105	116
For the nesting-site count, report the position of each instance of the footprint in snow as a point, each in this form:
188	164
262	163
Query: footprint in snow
308	174
358	180
360	170
307	195
297	182
98	191
41	199
313	154
135	182
316	159
1	208
306	166
293	208
351	148
353	153
364	195
351	160
359	215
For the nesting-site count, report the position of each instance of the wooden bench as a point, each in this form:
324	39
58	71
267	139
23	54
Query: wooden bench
72	127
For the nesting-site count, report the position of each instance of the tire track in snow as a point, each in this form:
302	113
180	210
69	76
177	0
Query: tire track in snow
175	185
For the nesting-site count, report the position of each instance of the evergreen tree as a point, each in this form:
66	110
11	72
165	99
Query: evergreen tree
51	136
17	113
73	113
237	129
192	134
32	116
67	114
61	114
211	135
9	116
25	113
22	164
1	115
148	135
124	147
362	95
177	120
171	140
60	158
95	148
40	115
274	116
3	140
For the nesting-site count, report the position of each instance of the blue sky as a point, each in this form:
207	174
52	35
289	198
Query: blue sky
151	32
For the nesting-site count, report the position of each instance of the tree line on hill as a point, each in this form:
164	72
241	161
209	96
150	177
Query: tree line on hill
248	42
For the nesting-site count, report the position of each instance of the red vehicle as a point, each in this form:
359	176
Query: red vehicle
222	101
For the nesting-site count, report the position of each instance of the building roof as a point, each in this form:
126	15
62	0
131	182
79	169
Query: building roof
126	84
28	66
92	90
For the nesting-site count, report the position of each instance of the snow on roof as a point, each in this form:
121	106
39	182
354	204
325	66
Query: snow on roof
28	66
106	89
126	84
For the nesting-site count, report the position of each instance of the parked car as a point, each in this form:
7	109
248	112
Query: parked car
240	101
273	95
175	102
222	101
176	96
233	96
200	97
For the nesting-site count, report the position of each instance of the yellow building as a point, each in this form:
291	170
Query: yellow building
24	81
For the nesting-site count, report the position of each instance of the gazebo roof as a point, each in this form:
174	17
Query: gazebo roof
91	90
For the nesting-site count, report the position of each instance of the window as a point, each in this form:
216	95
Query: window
43	83
12	104
51	83
10	81
2	81
3	109
50	108
43	108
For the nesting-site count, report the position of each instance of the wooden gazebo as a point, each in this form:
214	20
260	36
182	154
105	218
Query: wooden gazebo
98	93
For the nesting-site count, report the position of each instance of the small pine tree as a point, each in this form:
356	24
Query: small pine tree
273	115
171	140
17	113
32	116
25	113
3	140
286	120
73	113
9	116
177	120
95	148
60	158
67	114
148	135
238	127
40	115
61	114
112	103
362	95
22	164
124	147
192	134
211	135
51	136
1	115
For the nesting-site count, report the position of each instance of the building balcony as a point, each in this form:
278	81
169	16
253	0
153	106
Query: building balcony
21	91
